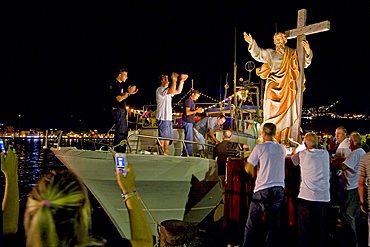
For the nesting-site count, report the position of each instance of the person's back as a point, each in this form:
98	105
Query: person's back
224	150
267	162
202	125
314	192
227	149
227	153
270	156
315	174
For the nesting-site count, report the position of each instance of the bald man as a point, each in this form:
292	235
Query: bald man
222	151
314	192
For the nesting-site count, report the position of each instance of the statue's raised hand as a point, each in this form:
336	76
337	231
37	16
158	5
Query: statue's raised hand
248	37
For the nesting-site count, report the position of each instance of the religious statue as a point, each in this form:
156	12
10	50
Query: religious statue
280	69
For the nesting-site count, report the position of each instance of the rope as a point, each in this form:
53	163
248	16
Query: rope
106	134
215	100
190	90
147	209
178	103
111	149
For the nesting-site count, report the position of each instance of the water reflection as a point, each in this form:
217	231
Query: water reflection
34	162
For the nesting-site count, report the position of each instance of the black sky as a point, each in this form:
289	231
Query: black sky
58	57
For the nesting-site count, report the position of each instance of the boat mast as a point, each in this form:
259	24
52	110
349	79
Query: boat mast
233	112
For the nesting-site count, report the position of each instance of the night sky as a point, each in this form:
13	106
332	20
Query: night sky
58	58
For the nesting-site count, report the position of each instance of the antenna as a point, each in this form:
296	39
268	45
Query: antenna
233	115
276	27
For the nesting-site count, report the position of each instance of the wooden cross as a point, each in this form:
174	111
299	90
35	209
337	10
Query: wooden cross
300	33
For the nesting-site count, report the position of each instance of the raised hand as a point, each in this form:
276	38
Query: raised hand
306	46
132	89
183	77
174	76
9	163
127	183
248	37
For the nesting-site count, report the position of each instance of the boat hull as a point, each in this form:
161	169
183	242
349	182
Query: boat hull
170	187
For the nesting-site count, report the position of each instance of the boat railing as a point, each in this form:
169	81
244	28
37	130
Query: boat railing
158	145
132	141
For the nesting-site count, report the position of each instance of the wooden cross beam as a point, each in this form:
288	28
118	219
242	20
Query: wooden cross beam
300	33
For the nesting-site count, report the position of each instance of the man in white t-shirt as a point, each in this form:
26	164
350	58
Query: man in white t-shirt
163	115
267	163
314	192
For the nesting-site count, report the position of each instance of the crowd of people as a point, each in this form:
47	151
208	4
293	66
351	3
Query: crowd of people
58	211
329	171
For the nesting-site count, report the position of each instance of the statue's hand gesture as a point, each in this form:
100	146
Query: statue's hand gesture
248	37
306	46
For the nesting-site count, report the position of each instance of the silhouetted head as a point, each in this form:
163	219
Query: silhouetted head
122	74
58	212
311	140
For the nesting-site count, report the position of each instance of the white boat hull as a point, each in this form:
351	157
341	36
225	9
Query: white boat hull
171	187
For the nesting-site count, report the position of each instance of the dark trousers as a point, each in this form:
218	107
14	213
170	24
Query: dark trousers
312	223
263	224
351	215
188	131
120	128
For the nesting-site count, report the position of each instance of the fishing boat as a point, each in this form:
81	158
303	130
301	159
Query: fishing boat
170	187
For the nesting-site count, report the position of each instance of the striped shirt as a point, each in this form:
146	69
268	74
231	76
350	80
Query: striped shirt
364	171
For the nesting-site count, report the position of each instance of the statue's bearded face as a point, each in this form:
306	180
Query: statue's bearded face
279	41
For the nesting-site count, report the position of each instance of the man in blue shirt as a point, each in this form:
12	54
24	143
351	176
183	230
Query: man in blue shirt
188	115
